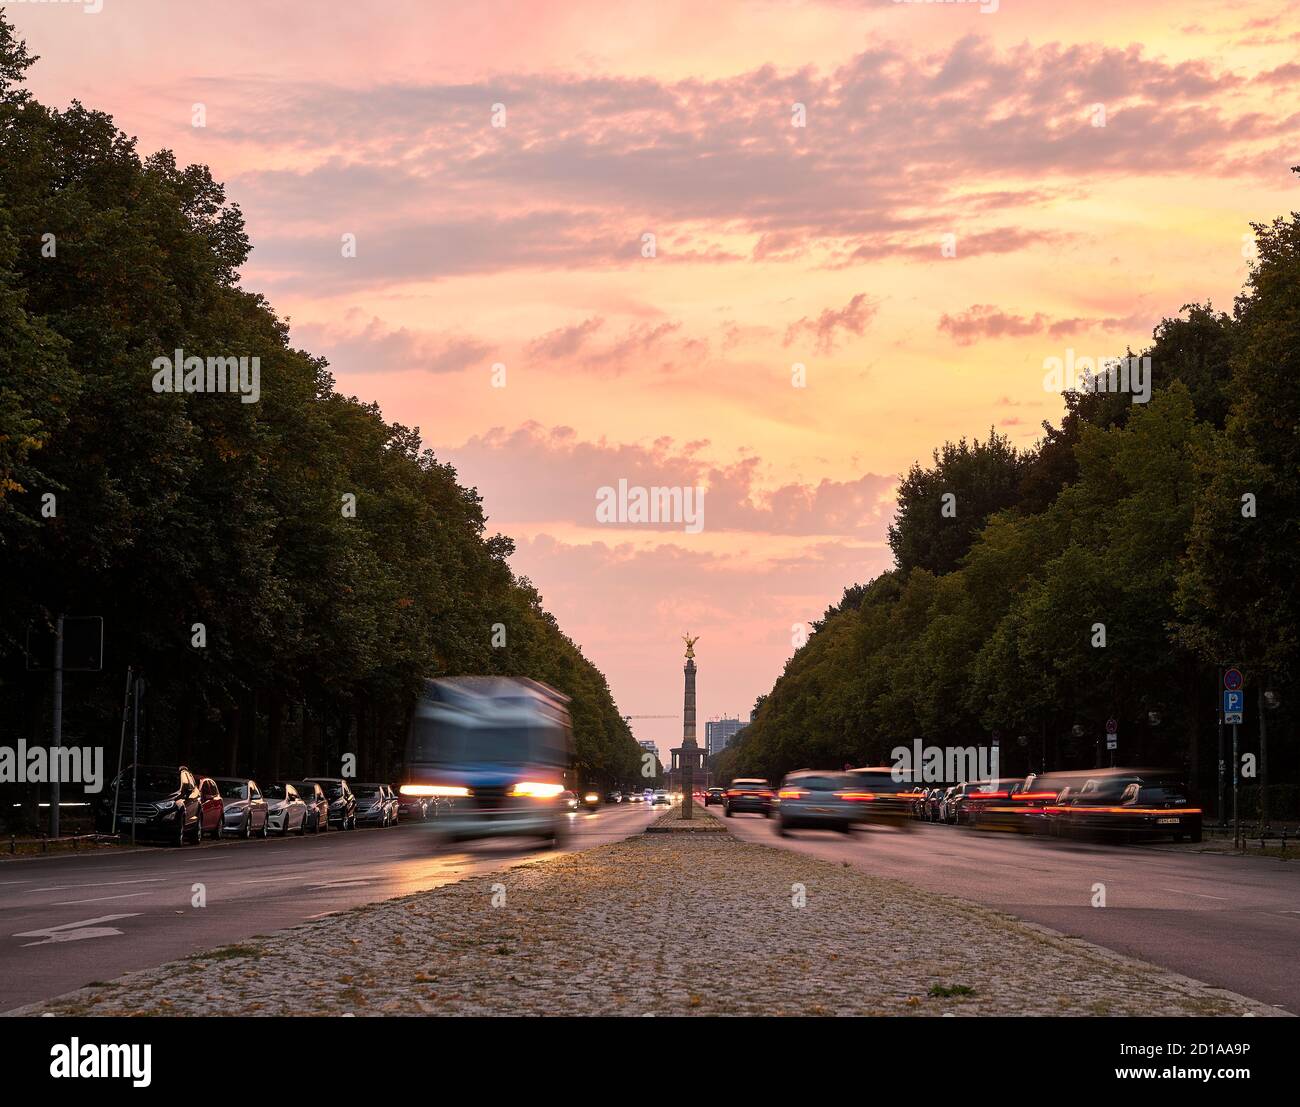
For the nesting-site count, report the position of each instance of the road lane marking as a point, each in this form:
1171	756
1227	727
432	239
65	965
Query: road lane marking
343	883
1202	895
74	931
100	884
98	899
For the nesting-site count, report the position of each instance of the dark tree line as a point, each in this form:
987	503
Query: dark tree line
1174	524
163	511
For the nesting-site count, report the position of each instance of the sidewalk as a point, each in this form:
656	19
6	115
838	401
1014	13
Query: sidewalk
662	924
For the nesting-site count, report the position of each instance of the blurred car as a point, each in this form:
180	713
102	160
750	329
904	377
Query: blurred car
318	805
375	807
1025	809
342	801
569	799
985	802
661	797
891	801
613	797
243	811
820	800
156	801
748	794
285	809
634	797
1128	805
500	747
591	800
713	796
211	807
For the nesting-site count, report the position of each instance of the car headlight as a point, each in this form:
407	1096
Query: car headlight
536	789
449	790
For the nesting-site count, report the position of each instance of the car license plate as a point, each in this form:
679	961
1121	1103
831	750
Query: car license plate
133	819
820	810
1165	821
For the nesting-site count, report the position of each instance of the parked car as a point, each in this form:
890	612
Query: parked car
343	803
285	809
1128	806
158	801
375	807
820	800
414	807
932	808
211	807
243	807
712	796
318	805
748	794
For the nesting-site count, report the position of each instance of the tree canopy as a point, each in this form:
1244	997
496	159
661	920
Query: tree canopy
161	511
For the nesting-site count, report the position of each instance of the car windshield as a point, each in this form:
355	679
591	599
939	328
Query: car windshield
151	780
307	791
750	785
274	791
366	793
232	790
881	780
334	790
827	782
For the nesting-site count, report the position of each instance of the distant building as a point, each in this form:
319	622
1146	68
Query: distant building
718	734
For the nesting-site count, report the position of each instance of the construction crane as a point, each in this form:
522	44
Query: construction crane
627	718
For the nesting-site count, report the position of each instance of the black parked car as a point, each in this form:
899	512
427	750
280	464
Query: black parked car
159	802
343	804
245	808
318	805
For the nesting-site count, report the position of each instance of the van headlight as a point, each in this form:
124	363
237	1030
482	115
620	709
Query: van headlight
536	789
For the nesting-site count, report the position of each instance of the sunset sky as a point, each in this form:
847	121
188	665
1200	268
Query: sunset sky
775	244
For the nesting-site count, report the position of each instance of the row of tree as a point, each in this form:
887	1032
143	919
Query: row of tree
281	572
1107	573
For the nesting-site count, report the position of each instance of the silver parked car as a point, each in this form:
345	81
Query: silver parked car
245	812
285	809
821	800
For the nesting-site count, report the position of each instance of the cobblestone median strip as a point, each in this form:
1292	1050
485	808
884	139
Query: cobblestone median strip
605	931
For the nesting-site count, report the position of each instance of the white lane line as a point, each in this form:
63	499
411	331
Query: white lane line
1201	895
321	915
74	931
100	884
6	883
99	899
343	883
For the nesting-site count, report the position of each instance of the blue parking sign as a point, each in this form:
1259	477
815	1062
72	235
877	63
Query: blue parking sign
1234	707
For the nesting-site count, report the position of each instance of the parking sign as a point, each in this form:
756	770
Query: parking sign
1234	707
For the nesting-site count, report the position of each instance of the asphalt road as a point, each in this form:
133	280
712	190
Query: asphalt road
1233	922
69	920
